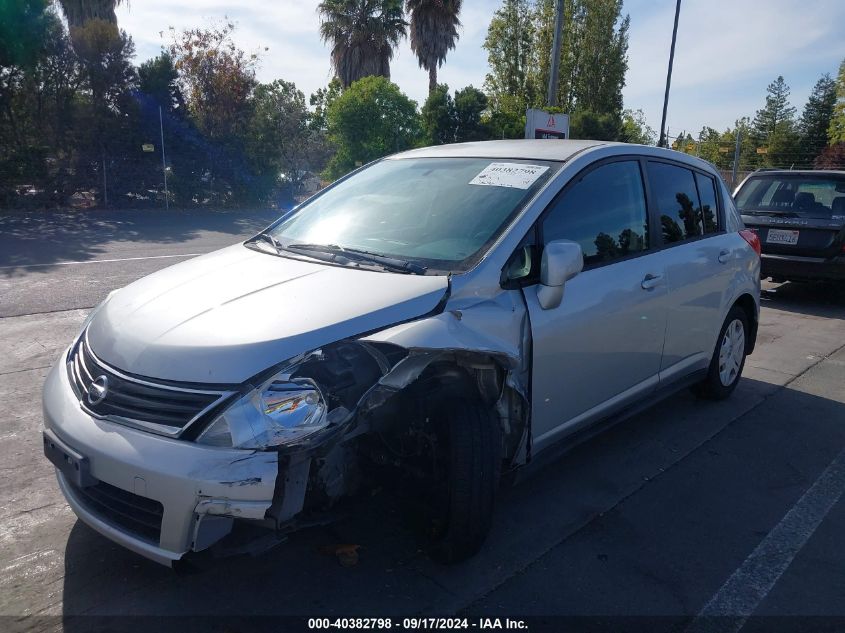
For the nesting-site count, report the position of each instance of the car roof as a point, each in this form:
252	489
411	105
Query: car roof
547	149
531	149
797	172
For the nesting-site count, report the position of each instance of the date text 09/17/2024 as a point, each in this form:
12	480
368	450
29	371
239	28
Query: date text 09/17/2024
417	623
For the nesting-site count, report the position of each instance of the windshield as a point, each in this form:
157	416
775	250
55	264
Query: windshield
440	213
796	195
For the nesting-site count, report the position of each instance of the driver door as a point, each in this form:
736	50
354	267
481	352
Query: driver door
601	348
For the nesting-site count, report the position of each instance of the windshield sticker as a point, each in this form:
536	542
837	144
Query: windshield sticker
514	175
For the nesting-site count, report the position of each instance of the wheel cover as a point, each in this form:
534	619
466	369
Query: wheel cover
731	353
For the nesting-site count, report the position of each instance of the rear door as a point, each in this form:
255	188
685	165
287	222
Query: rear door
796	214
698	258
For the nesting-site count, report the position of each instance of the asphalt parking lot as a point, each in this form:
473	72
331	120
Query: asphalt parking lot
688	511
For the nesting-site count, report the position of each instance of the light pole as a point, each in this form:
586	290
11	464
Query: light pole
662	141
555	69
736	156
163	161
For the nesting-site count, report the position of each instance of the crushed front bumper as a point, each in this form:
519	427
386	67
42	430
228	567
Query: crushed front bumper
200	489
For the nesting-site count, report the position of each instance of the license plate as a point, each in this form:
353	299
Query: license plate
780	236
71	463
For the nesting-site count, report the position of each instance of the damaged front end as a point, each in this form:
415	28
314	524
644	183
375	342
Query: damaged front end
333	413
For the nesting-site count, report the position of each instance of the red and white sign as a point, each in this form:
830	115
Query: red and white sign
542	124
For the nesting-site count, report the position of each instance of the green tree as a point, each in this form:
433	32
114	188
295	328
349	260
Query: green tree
23	26
715	148
815	119
470	105
509	55
320	101
836	131
438	117
774	127
748	157
595	125
105	55
39	100
506	116
282	147
158	78
363	35
372	118
635	129
777	108
217	80
593	62
593	58
434	32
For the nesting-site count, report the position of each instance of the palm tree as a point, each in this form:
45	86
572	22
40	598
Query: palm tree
434	31
363	34
80	12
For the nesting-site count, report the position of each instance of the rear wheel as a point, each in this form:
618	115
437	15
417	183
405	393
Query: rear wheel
728	358
470	451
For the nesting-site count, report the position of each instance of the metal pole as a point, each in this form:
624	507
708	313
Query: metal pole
662	142
555	69
736	157
105	183
163	161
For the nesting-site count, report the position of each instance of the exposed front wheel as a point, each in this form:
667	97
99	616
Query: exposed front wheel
728	358
470	449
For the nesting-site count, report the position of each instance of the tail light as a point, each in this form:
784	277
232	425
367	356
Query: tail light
753	239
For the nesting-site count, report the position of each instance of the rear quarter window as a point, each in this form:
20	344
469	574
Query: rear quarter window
676	195
709	202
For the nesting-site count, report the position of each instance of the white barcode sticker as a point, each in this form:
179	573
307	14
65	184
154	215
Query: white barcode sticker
514	175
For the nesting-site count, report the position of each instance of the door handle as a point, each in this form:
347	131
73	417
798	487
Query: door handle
651	281
724	256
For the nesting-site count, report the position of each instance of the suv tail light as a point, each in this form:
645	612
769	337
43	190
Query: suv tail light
753	239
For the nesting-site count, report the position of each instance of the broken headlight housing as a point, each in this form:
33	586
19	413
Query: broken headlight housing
311	393
283	410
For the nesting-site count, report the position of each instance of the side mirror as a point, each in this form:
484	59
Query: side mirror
561	261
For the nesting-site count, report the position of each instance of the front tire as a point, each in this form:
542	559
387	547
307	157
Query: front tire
728	358
472	455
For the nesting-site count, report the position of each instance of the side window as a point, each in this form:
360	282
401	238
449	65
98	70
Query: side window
674	192
604	212
709	204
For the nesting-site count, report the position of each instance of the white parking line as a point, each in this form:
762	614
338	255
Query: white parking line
743	592
101	261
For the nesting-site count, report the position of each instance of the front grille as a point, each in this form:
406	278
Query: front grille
143	403
137	515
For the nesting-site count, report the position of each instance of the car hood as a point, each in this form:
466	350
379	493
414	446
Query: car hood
225	316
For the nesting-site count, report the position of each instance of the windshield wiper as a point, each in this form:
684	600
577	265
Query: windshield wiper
267	237
785	214
394	264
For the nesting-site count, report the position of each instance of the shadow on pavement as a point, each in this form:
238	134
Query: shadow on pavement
43	238
825	299
648	518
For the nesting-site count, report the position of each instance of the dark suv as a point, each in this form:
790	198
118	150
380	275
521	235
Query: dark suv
800	219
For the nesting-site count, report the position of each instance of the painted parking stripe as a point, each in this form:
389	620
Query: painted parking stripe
743	592
101	261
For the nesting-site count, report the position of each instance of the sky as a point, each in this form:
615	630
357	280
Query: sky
727	51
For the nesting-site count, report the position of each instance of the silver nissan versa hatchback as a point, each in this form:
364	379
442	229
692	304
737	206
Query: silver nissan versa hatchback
437	319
